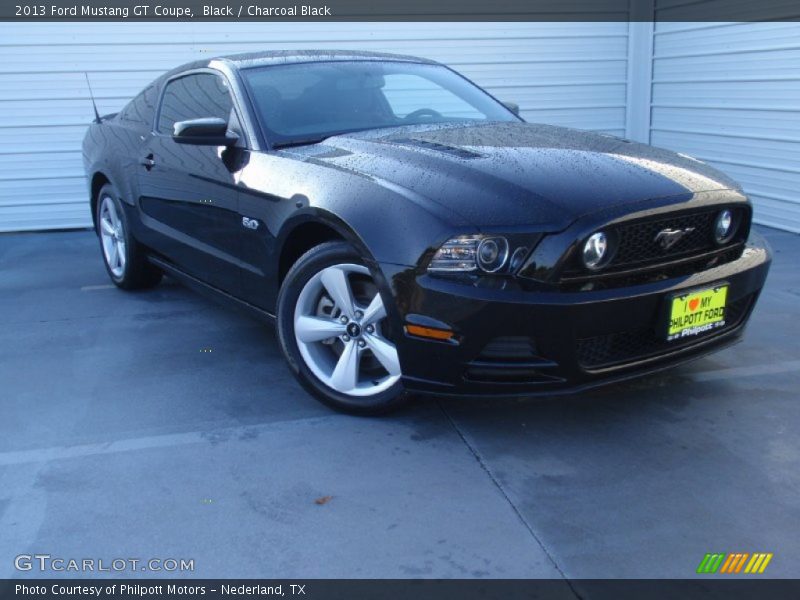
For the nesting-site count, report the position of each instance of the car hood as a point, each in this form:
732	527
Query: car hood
516	174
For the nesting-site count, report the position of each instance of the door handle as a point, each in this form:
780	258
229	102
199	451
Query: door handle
148	161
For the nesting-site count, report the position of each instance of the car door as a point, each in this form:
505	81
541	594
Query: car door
187	193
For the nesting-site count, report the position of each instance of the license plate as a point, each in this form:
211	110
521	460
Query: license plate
697	312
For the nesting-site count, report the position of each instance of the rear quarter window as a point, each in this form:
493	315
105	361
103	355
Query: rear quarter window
141	110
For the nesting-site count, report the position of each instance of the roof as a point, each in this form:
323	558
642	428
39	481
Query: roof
272	57
283	57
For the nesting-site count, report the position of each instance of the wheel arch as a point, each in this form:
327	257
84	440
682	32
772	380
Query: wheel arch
336	227
99	179
309	229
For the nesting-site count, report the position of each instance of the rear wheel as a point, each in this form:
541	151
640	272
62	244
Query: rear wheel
124	257
335	334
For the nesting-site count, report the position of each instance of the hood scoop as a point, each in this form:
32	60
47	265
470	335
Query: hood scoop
451	150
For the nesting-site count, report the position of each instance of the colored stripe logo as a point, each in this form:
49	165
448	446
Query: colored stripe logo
734	562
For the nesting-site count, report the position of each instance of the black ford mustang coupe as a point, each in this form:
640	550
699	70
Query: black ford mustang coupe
408	232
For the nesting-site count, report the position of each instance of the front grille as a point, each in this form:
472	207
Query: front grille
641	276
629	346
639	258
636	241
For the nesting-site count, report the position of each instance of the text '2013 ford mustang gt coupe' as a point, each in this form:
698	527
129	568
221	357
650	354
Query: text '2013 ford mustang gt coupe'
408	232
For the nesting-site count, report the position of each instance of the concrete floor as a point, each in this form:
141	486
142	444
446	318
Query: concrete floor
121	438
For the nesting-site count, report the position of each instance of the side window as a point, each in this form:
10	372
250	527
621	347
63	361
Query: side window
141	109
193	97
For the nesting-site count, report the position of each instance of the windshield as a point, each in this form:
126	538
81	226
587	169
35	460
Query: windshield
307	102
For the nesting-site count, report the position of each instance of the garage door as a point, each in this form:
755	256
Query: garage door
729	94
561	73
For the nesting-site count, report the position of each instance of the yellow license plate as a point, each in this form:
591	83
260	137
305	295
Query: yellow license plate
697	312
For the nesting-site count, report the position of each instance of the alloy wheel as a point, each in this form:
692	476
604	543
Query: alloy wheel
112	234
339	326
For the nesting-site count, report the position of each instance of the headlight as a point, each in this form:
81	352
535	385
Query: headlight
517	258
456	254
492	254
595	251
466	253
724	228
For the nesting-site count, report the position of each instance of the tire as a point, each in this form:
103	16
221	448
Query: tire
124	258
334	333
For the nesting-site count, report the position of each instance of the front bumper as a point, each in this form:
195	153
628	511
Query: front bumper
517	342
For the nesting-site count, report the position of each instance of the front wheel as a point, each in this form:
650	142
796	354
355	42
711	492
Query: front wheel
335	334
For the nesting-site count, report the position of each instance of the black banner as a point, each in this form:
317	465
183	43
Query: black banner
400	10
395	589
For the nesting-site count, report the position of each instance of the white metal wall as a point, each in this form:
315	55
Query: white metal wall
729	94
562	73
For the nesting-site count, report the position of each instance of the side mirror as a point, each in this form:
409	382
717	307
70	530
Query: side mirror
512	106
211	131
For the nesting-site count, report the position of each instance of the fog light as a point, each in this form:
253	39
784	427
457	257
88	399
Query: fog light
724	227
595	251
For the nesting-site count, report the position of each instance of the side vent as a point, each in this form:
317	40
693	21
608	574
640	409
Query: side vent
509	348
511	359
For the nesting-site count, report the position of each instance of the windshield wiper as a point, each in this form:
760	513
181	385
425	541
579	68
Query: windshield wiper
300	142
